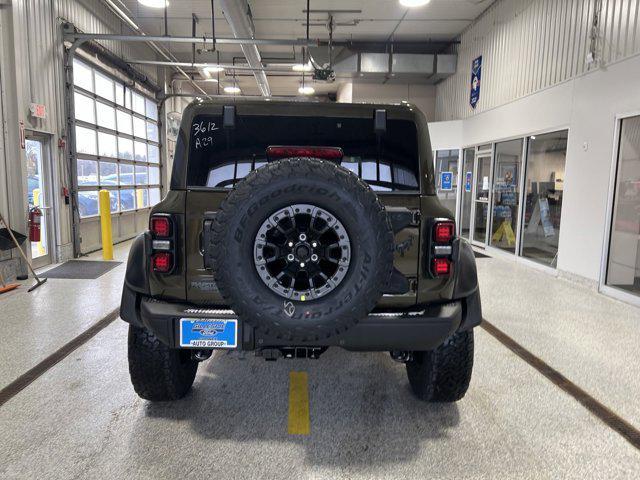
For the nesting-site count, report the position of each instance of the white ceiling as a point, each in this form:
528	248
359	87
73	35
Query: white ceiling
378	20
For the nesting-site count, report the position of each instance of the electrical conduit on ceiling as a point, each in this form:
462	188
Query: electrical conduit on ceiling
238	16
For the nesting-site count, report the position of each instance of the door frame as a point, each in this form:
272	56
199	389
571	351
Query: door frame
49	209
472	225
616	293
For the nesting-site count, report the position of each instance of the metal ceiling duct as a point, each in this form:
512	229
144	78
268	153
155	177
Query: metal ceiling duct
238	16
394	67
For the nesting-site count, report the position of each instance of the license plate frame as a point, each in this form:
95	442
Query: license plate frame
208	333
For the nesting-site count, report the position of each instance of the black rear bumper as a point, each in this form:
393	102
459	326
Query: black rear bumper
421	330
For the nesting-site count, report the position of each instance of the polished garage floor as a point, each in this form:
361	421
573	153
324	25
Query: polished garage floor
81	418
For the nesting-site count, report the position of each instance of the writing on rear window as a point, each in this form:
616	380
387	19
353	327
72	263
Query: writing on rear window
219	159
202	133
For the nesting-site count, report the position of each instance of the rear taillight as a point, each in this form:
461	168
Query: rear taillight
325	153
163	243
441	267
162	262
161	226
443	234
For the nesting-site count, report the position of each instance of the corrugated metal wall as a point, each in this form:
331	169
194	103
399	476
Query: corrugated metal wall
37	76
92	16
529	45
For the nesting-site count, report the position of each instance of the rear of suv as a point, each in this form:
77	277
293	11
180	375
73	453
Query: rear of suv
292	227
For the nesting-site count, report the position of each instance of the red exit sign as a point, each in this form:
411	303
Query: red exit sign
38	110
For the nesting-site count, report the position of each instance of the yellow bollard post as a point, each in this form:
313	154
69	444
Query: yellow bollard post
139	198
105	225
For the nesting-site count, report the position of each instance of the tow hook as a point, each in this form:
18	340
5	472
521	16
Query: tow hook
201	355
401	356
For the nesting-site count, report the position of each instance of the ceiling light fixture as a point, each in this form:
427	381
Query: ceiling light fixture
302	67
213	69
306	90
232	89
154	3
414	3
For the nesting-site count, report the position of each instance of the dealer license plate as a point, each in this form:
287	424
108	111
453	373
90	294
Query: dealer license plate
208	333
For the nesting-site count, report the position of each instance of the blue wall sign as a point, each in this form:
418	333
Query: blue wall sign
476	74
446	181
467	181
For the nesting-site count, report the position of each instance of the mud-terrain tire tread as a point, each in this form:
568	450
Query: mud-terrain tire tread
312	168
443	374
158	373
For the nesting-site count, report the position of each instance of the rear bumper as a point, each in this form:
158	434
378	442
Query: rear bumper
422	330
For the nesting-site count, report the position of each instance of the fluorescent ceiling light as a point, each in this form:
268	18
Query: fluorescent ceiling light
154	3
232	89
414	3
213	69
302	67
306	90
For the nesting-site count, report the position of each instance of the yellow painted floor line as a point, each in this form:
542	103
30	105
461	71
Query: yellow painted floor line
299	404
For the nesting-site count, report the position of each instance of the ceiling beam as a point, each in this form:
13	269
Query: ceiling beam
192	40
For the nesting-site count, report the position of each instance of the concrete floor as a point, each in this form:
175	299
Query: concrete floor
81	419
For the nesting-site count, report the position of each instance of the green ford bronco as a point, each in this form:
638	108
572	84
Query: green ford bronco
292	227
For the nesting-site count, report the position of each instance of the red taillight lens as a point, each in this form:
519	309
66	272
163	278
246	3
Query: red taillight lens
161	226
162	262
441	267
327	153
443	232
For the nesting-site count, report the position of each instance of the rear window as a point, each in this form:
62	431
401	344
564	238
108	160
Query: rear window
218	158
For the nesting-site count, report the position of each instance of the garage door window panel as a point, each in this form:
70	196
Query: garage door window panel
124	122
84	108
106	116
82	75
117	133
108	174
87	172
139	127
86	141
107	146
104	87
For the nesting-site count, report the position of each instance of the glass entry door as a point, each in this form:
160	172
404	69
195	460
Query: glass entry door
505	200
39	195
468	161
481	193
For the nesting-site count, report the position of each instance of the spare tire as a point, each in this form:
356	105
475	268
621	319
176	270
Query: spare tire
302	249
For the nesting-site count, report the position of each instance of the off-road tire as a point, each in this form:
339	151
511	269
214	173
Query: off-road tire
327	186
158	373
443	374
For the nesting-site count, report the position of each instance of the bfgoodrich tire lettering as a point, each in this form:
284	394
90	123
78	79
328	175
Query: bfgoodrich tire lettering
331	188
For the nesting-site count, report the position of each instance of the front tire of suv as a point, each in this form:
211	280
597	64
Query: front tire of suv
158	373
443	374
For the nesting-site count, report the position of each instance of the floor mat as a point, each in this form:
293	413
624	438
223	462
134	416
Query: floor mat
80	269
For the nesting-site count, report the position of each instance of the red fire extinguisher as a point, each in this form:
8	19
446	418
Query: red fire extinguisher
35	215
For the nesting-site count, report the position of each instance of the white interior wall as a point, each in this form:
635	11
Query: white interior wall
422	96
587	106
